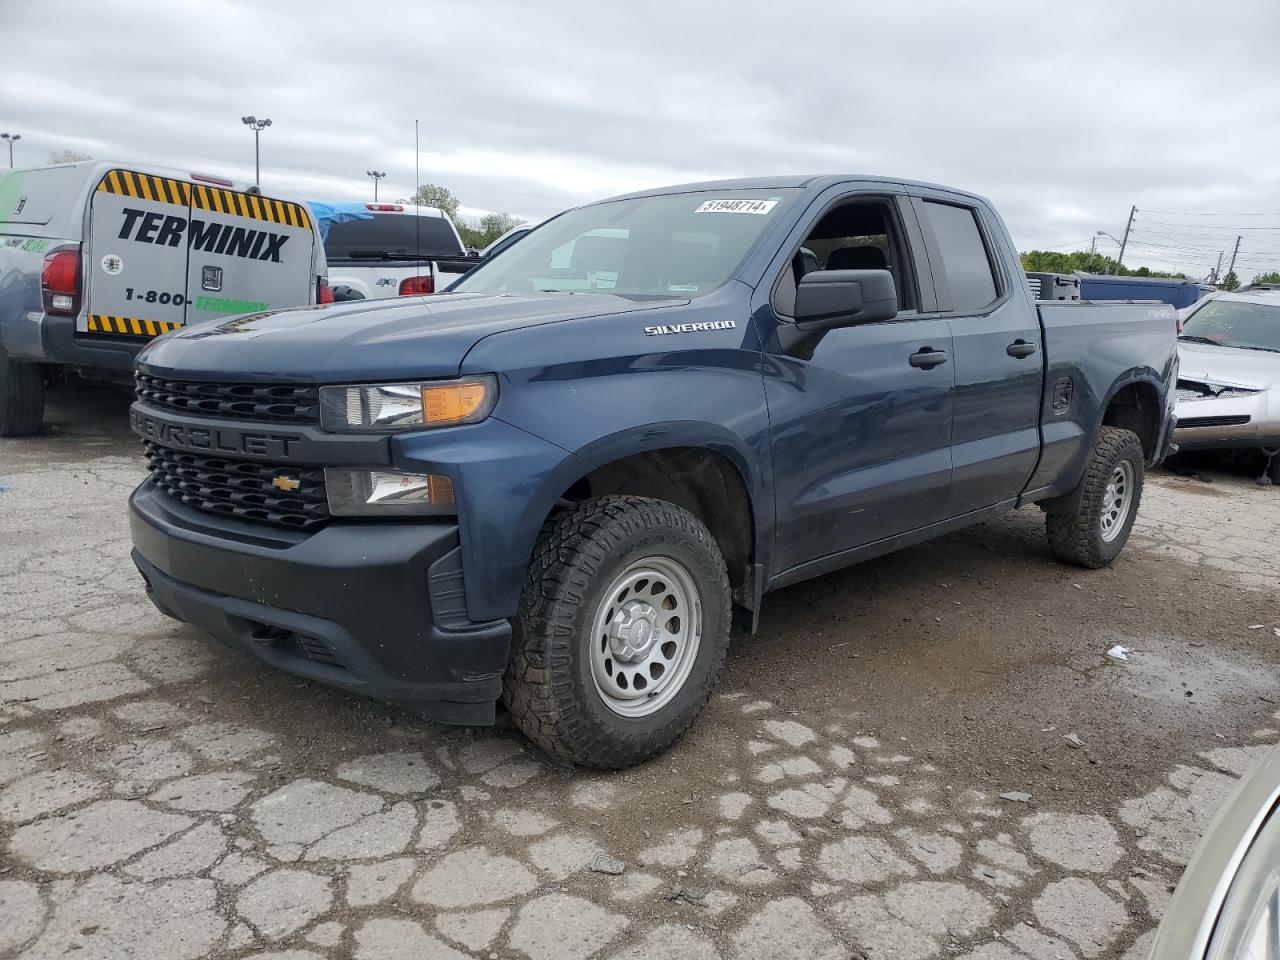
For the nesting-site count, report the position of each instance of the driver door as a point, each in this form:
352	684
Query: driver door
861	428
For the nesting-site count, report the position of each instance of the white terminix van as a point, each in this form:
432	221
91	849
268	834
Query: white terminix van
98	258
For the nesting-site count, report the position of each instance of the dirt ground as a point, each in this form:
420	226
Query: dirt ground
840	796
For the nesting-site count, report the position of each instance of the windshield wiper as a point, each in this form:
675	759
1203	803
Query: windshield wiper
1244	346
1194	339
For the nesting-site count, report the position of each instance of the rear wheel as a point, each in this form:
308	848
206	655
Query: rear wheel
623	627
21	397
1095	534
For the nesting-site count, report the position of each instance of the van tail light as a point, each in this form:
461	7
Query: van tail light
417	286
385	207
60	283
324	292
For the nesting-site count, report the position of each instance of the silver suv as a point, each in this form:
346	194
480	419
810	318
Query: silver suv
1229	380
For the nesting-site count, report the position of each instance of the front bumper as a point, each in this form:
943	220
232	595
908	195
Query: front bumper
1240	422
375	608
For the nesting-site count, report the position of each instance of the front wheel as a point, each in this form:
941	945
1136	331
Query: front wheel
623	628
1095	534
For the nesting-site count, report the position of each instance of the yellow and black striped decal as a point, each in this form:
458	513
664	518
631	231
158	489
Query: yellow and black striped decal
147	186
100	323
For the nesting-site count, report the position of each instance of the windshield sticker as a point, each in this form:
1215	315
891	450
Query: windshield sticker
760	207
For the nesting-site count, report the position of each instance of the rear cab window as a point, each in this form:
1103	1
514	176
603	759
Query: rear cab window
394	235
967	271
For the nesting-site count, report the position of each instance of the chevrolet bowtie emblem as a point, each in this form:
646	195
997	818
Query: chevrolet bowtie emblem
286	484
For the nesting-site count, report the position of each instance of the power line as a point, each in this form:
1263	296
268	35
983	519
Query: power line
1176	213
1205	226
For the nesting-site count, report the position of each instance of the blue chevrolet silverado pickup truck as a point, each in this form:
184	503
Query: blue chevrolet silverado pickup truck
559	482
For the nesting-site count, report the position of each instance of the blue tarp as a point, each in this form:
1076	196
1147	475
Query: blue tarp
344	211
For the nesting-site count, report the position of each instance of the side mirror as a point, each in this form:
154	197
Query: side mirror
828	299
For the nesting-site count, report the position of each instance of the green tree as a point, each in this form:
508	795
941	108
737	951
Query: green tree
1053	261
67	156
1230	281
431	195
498	223
1272	277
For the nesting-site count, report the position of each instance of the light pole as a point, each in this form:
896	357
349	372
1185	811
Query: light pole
12	138
1103	233
375	176
257	126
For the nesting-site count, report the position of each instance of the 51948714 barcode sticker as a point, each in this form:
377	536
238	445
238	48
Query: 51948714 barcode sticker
737	206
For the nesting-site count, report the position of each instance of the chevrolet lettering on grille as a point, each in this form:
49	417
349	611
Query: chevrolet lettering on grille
212	439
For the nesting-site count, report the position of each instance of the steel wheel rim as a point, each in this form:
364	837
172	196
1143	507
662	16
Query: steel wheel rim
1117	499
645	636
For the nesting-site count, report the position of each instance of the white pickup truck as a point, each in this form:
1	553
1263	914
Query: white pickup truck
377	250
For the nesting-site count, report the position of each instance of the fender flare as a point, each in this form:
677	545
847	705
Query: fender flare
1070	502
752	466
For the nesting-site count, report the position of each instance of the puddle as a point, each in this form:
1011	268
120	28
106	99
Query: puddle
1155	673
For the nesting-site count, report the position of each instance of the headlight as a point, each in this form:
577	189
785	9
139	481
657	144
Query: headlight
1249	924
387	407
387	493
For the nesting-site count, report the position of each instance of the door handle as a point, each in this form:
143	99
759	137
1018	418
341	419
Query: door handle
926	358
1020	349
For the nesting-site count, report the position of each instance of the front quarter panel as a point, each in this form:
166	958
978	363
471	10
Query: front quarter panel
602	388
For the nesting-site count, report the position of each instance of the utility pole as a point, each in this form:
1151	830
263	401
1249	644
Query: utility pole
1125	239
1093	248
375	176
1232	269
1217	269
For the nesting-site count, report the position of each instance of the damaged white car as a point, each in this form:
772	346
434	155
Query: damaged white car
1229	379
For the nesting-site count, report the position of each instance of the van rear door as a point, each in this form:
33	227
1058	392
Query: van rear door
248	253
136	268
166	252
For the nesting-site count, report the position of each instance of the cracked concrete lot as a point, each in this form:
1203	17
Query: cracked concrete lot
161	797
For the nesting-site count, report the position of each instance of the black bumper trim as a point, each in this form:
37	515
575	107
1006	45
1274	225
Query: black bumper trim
348	606
62	344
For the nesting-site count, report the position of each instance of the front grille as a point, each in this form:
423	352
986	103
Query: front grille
1194	390
1212	421
277	403
241	488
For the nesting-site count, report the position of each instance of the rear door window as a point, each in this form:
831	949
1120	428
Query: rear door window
966	260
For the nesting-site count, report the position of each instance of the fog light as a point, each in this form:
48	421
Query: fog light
387	493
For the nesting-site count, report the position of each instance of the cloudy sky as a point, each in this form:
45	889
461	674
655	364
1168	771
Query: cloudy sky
1064	114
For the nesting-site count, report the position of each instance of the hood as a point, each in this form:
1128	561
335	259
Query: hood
398	339
1230	366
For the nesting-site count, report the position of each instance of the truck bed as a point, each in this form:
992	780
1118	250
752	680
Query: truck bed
1115	343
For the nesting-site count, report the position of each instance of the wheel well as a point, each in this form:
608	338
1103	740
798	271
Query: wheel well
1137	408
704	482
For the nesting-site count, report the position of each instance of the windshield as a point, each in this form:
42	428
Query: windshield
677	245
392	234
1231	323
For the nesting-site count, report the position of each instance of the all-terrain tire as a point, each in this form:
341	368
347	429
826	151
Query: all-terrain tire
549	689
21	397
1078	537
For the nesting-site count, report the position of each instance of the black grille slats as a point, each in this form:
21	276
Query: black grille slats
275	403
245	489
